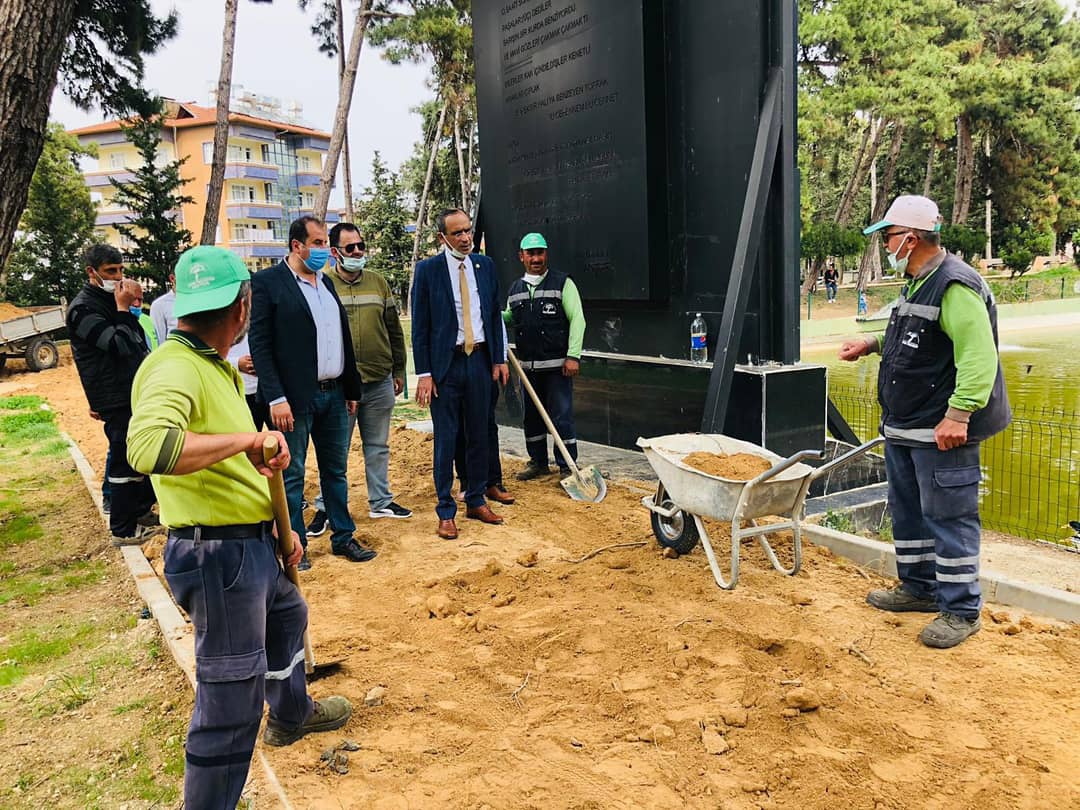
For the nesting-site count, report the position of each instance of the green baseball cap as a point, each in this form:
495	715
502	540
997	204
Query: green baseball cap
532	241
207	278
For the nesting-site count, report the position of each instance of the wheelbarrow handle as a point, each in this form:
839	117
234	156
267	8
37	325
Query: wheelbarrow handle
780	466
849	456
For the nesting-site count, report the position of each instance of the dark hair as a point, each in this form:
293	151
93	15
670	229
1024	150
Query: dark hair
210	318
343	227
97	255
440	220
298	229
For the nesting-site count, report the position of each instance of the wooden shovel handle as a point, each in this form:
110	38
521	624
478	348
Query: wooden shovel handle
543	414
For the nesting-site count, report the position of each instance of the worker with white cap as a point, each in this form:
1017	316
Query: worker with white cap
942	393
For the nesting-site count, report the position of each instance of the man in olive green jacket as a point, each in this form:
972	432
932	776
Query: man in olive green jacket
379	345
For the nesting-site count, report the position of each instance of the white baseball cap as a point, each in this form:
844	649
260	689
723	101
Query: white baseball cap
910	211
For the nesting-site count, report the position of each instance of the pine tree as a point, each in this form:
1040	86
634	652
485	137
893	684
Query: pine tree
383	217
154	197
56	227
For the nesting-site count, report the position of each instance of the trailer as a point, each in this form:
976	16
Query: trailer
28	337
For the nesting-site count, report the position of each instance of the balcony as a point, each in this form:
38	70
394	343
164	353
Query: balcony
113	217
104	178
311	180
250	171
331	216
237	210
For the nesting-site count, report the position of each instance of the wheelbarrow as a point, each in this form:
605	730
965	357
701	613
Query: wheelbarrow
685	495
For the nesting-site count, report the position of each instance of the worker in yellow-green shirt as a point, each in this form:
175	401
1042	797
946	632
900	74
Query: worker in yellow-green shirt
543	307
191	430
942	393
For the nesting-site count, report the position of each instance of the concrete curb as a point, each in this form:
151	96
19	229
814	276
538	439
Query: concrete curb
881	558
173	626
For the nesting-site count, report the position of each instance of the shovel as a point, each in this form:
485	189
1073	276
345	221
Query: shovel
581	485
285	549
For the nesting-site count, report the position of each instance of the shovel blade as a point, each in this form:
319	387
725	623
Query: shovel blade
324	670
588	485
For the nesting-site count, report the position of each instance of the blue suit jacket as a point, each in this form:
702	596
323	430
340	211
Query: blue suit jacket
434	316
283	340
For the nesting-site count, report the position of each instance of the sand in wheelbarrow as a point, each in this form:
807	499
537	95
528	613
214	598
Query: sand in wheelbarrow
734	467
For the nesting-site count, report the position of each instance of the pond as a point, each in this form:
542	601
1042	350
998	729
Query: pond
1031	471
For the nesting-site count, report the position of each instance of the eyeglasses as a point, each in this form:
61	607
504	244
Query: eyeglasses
355	247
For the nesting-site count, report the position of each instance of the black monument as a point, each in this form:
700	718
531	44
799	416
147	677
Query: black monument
653	143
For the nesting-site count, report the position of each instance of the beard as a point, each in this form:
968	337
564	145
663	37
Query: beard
244	330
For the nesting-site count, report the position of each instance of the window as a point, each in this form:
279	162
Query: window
208	153
244	232
240	154
116	161
239	193
268	192
265	153
305	163
307	199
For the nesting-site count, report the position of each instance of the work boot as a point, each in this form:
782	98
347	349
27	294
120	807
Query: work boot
327	714
305	563
900	600
142	534
532	470
148	519
948	630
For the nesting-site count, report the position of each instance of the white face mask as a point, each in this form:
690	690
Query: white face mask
108	285
532	280
895	262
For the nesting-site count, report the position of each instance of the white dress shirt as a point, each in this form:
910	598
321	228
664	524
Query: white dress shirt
161	313
241	349
474	297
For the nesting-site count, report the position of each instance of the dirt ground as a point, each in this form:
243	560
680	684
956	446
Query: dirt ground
519	672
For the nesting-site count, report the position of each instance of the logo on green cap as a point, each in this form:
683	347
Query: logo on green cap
533	241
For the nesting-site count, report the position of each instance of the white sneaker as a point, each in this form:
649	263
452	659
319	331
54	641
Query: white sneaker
391	510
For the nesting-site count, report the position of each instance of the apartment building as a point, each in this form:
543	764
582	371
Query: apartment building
272	174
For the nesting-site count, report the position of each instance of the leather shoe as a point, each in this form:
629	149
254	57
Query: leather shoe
498	494
354	552
483	514
447	529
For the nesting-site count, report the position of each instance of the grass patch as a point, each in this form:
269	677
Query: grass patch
838	521
40	646
64	691
19	529
134	706
29	588
29	426
408	412
56	447
20	403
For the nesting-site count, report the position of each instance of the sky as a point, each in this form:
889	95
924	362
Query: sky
276	55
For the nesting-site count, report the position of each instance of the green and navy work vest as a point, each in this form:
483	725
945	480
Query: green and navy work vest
918	373
541	328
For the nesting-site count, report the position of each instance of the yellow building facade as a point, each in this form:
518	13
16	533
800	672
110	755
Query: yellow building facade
272	174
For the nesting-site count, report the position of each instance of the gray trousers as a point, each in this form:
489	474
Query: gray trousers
249	624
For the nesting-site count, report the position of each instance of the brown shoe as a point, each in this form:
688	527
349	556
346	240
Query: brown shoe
447	529
498	494
483	514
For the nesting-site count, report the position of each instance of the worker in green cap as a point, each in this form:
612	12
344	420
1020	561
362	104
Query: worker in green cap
544	309
191	430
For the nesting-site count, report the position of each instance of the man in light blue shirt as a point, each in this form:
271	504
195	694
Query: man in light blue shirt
302	350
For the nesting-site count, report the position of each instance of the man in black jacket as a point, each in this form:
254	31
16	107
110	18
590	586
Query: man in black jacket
108	344
302	349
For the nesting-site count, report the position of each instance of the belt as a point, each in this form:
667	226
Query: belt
460	348
327	385
244	531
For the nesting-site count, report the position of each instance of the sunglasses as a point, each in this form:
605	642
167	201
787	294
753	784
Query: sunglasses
355	247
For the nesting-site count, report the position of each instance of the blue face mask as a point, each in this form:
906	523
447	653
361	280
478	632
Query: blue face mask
317	258
136	311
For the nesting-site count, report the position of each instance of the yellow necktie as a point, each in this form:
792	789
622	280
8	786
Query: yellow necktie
466	309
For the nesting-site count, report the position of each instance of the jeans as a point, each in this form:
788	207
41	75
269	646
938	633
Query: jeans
131	492
373	417
934	503
249	625
557	394
830	290
326	423
260	412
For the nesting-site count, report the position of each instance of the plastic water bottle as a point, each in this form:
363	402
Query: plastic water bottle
699	333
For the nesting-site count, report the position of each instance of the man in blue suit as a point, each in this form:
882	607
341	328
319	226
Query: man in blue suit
457	339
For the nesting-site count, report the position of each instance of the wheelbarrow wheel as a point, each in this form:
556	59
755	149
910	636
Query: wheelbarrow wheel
678	531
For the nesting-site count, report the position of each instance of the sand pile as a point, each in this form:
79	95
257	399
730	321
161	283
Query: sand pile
734	467
9	311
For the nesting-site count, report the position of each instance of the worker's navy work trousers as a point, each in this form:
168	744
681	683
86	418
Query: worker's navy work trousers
557	394
934	503
131	493
249	625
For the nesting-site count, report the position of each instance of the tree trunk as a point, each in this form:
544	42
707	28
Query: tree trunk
33	34
843	214
424	195
460	157
965	170
346	162
870	266
341	116
851	189
472	140
221	128
930	168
